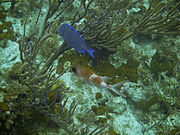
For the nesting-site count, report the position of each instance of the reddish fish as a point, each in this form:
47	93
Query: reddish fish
96	80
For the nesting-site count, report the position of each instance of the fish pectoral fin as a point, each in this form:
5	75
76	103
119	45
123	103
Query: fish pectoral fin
69	45
104	78
80	50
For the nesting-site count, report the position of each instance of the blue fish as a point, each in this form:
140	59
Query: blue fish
74	39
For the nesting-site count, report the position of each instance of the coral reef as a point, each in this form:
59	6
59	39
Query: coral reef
135	40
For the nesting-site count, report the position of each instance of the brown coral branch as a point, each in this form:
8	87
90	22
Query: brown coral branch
41	42
81	16
107	29
156	22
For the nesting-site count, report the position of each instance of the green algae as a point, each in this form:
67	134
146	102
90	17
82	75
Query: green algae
6	31
146	104
17	96
98	95
164	61
3	106
101	120
2	15
112	132
175	131
99	110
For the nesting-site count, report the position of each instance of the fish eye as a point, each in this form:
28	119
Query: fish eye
74	69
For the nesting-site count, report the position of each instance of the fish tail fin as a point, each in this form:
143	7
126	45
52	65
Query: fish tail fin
113	88
90	51
58	30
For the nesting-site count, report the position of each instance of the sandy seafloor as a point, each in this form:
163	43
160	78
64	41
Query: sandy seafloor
125	117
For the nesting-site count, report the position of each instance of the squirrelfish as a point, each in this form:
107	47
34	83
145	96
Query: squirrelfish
96	80
74	39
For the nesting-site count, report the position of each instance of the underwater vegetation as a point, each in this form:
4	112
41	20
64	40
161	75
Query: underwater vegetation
34	95
6	31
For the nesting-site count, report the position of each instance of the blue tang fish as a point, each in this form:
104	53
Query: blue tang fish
74	39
